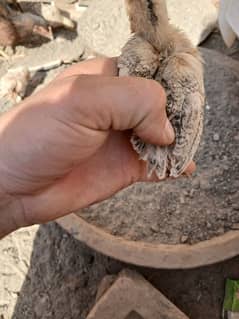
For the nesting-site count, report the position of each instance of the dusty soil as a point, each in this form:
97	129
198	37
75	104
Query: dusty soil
46	273
188	210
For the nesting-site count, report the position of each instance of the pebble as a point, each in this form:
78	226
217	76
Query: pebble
184	239
155	228
216	137
209	225
208	107
182	199
236	137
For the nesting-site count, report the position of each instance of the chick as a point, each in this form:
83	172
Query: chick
157	50
14	83
51	13
16	27
15	4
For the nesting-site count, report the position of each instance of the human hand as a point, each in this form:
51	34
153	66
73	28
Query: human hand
67	146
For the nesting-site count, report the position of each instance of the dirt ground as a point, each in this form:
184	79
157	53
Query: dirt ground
57	277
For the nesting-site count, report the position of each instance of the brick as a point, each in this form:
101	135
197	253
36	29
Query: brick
132	297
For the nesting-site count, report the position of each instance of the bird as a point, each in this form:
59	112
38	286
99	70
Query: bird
54	16
15	4
13	84
17	27
160	51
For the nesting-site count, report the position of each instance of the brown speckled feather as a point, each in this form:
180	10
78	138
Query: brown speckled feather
159	51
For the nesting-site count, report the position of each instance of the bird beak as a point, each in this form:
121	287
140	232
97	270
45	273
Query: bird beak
43	31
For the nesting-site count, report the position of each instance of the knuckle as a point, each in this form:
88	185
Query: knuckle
155	94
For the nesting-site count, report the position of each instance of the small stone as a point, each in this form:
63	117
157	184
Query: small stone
155	228
236	137
184	239
182	199
216	137
209	225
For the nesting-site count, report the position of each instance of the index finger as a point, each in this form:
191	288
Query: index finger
96	66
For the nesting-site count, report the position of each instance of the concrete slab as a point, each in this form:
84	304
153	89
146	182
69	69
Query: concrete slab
132	297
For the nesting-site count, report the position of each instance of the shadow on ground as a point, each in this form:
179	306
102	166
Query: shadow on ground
64	274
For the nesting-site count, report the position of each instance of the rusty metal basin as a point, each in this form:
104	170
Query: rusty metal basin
180	256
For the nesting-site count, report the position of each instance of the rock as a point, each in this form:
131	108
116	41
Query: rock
104	27
216	137
184	239
182	199
236	137
155	228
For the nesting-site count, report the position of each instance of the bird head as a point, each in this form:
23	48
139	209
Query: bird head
27	23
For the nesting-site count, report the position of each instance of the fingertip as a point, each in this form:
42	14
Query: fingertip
169	133
190	169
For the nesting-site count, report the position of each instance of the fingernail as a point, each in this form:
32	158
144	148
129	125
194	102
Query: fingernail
169	131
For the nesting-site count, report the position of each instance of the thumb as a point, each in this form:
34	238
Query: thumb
155	128
122	103
145	111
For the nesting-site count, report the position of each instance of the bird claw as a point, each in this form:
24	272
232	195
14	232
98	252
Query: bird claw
156	157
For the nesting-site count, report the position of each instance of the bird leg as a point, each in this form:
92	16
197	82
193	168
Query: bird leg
139	58
149	18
